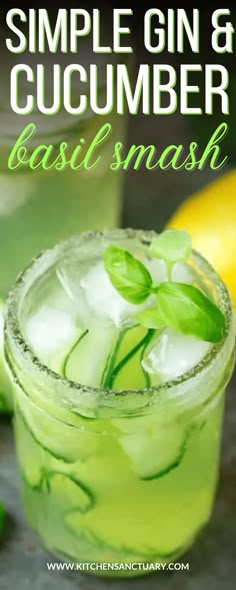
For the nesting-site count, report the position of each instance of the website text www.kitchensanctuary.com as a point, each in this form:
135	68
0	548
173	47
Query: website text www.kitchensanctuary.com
138	566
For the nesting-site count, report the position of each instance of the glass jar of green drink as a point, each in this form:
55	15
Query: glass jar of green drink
39	207
120	356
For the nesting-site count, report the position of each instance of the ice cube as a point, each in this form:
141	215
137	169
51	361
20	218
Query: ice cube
49	329
74	296
171	354
65	283
104	300
182	273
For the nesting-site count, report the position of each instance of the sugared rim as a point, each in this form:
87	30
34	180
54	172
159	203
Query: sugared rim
49	257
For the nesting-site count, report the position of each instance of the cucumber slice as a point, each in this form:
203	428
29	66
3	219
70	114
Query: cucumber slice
39	468
69	492
62	441
126	371
156	456
69	355
87	360
115	543
31	456
153	450
131	337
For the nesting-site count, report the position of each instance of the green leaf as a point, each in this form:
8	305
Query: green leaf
186	309
150	318
172	246
127	274
2	517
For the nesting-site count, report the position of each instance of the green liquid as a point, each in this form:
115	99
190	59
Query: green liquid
112	497
109	475
122	490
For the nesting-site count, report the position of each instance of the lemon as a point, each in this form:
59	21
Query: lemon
210	217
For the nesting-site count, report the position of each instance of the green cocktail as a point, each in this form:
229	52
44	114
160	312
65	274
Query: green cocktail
117	425
40	207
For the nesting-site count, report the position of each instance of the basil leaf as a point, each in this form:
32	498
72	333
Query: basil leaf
186	309
127	274
172	246
150	318
2	517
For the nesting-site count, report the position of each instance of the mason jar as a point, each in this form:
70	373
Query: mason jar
119	478
40	207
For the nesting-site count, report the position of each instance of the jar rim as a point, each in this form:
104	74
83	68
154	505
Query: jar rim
50	256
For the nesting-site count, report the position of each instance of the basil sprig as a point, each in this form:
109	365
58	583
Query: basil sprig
127	274
177	305
172	245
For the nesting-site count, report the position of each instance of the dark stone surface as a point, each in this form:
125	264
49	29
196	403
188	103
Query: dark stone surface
211	561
